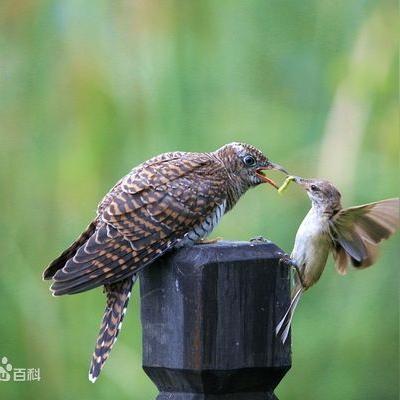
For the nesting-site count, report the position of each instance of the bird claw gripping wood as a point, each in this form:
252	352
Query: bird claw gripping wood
259	239
288	261
210	241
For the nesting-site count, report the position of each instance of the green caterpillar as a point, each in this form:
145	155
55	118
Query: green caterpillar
286	183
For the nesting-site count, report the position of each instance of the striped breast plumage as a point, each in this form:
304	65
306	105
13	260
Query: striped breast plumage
204	228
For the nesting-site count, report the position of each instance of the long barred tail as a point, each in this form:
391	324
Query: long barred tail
118	295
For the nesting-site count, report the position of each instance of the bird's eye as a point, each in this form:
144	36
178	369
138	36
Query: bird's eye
314	188
249	161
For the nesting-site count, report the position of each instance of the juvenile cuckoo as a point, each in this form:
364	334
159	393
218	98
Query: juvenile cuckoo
171	200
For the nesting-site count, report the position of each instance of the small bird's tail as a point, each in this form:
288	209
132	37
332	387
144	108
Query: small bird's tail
118	295
282	329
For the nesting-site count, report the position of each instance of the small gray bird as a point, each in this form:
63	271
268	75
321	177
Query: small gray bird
351	234
172	200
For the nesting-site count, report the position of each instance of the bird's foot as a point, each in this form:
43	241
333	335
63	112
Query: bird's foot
285	259
259	239
209	241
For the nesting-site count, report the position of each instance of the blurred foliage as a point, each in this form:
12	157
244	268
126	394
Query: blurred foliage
88	89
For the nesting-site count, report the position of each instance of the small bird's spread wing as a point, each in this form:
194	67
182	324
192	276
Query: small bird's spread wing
357	231
144	215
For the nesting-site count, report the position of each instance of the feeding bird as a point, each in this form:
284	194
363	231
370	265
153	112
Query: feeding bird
169	201
351	234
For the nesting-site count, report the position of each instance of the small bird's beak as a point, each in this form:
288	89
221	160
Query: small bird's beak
298	180
264	178
302	182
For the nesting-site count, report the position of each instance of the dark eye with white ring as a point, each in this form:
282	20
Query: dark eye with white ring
249	160
314	188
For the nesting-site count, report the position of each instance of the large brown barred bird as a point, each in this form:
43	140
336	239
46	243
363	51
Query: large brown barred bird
171	200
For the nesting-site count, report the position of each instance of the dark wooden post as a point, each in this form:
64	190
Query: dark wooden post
209	314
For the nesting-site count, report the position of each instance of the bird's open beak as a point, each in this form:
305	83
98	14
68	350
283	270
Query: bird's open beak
265	179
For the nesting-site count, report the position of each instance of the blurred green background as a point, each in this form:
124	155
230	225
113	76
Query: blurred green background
89	89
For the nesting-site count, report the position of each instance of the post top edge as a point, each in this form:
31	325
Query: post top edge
228	251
